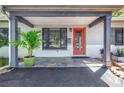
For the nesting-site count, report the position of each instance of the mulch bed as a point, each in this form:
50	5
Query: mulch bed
117	70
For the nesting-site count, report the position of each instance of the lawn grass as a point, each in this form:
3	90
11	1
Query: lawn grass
3	62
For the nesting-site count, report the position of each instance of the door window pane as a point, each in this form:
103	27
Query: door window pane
78	40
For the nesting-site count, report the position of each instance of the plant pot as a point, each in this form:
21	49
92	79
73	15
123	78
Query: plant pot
29	61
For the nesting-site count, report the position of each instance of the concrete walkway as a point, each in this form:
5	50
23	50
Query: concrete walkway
65	62
54	77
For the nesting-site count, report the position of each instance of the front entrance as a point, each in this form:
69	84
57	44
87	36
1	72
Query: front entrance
78	41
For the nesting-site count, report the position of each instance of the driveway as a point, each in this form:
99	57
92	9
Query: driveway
53	77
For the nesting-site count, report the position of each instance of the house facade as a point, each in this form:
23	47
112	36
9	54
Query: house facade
66	31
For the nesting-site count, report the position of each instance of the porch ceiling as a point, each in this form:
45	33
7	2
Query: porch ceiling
60	21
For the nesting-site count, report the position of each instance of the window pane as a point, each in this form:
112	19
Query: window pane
63	38
54	38
4	32
119	36
45	38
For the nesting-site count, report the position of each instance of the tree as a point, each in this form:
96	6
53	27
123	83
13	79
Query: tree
118	13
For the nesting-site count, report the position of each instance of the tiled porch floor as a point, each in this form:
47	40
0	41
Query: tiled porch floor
65	62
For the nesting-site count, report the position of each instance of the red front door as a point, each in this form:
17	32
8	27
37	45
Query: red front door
78	41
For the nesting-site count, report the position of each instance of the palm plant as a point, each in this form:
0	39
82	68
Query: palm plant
30	40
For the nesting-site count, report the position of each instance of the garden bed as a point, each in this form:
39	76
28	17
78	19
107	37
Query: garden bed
117	69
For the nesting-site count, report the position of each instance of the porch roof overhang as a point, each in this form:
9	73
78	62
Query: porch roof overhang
60	10
83	8
117	19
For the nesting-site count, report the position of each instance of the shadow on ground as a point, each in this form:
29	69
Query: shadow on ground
53	77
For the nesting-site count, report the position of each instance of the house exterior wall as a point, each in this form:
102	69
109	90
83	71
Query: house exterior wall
94	42
57	53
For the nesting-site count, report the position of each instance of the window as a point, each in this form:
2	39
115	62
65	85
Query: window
4	32
3	37
54	38
119	36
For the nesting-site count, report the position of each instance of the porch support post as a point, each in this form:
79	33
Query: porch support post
107	43
13	55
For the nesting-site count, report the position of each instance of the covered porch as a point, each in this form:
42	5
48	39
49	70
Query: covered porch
25	14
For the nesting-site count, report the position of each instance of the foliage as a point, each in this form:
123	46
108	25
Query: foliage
3	40
30	40
118	13
3	62
120	52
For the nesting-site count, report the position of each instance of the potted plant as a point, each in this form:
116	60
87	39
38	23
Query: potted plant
30	40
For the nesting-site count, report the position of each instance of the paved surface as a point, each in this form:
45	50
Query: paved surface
53	77
65	62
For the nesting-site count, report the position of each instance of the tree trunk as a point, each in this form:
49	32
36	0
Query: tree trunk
30	52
